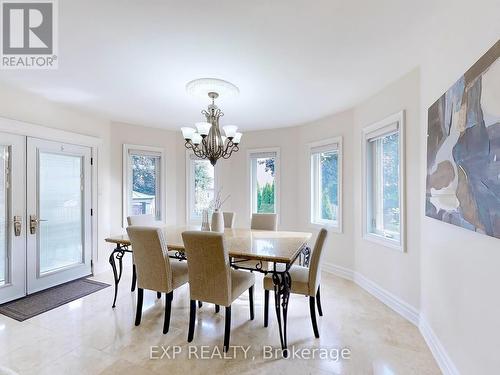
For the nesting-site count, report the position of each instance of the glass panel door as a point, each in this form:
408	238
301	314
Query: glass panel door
12	230
60	211
59	199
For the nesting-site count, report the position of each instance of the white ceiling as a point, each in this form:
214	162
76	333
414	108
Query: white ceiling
293	60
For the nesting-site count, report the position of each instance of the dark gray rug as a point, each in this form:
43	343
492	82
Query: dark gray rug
48	299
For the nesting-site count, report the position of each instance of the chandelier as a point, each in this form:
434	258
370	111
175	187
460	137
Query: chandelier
206	140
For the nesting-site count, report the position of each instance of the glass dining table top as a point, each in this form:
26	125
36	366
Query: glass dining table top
272	246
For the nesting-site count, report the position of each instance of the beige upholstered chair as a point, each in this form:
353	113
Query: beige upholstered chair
211	278
154	269
228	219
305	281
145	220
264	222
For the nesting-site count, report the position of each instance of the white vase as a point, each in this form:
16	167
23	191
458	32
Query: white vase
217	221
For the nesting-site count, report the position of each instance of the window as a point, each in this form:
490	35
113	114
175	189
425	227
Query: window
143	190
384	210
201	186
326	166
264	183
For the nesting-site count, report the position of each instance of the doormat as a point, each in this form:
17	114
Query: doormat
48	299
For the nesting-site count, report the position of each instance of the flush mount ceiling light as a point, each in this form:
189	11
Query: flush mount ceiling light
205	139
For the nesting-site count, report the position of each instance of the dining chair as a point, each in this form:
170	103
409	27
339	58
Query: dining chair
211	279
260	222
146	220
228	219
305	281
154	269
264	222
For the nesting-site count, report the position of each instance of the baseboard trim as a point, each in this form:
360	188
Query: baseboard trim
339	271
407	311
440	355
401	307
404	309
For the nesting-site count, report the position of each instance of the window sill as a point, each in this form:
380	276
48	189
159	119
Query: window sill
331	227
383	241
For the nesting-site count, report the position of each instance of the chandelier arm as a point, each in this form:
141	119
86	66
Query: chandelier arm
234	148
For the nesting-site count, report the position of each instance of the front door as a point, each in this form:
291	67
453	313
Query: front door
58	213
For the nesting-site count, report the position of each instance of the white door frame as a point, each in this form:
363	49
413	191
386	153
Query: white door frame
16	286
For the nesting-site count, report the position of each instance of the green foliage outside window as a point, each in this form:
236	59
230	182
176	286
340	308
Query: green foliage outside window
144	174
329	185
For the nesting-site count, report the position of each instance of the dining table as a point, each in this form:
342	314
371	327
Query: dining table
267	252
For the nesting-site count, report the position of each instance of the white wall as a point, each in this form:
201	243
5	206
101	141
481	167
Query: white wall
395	271
460	274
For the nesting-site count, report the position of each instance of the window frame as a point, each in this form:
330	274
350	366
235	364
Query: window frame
277	175
190	186
314	185
391	124
127	178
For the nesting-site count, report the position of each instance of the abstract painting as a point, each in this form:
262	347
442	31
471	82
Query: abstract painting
463	150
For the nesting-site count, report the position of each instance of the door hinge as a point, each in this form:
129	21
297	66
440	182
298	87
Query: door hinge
91	161
91	212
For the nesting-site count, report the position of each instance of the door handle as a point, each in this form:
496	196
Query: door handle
17	225
34	221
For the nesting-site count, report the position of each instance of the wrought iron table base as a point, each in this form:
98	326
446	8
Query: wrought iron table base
281	279
118	254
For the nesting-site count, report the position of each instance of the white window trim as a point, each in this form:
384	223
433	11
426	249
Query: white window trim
367	133
189	180
126	177
277	176
338	141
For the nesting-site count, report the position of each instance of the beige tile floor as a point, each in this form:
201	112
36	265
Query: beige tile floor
87	336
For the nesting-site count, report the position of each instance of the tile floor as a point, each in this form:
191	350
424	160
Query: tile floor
87	336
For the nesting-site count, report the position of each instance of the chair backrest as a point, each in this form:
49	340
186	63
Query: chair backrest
144	220
228	219
151	258
315	262
264	222
208	267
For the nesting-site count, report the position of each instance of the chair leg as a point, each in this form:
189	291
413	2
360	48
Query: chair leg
217	308
158	295
138	315
134	278
200	304
227	330
192	319
312	309
318	301
168	308
266	307
250	297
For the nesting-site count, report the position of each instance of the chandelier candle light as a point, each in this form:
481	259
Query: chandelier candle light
206	139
